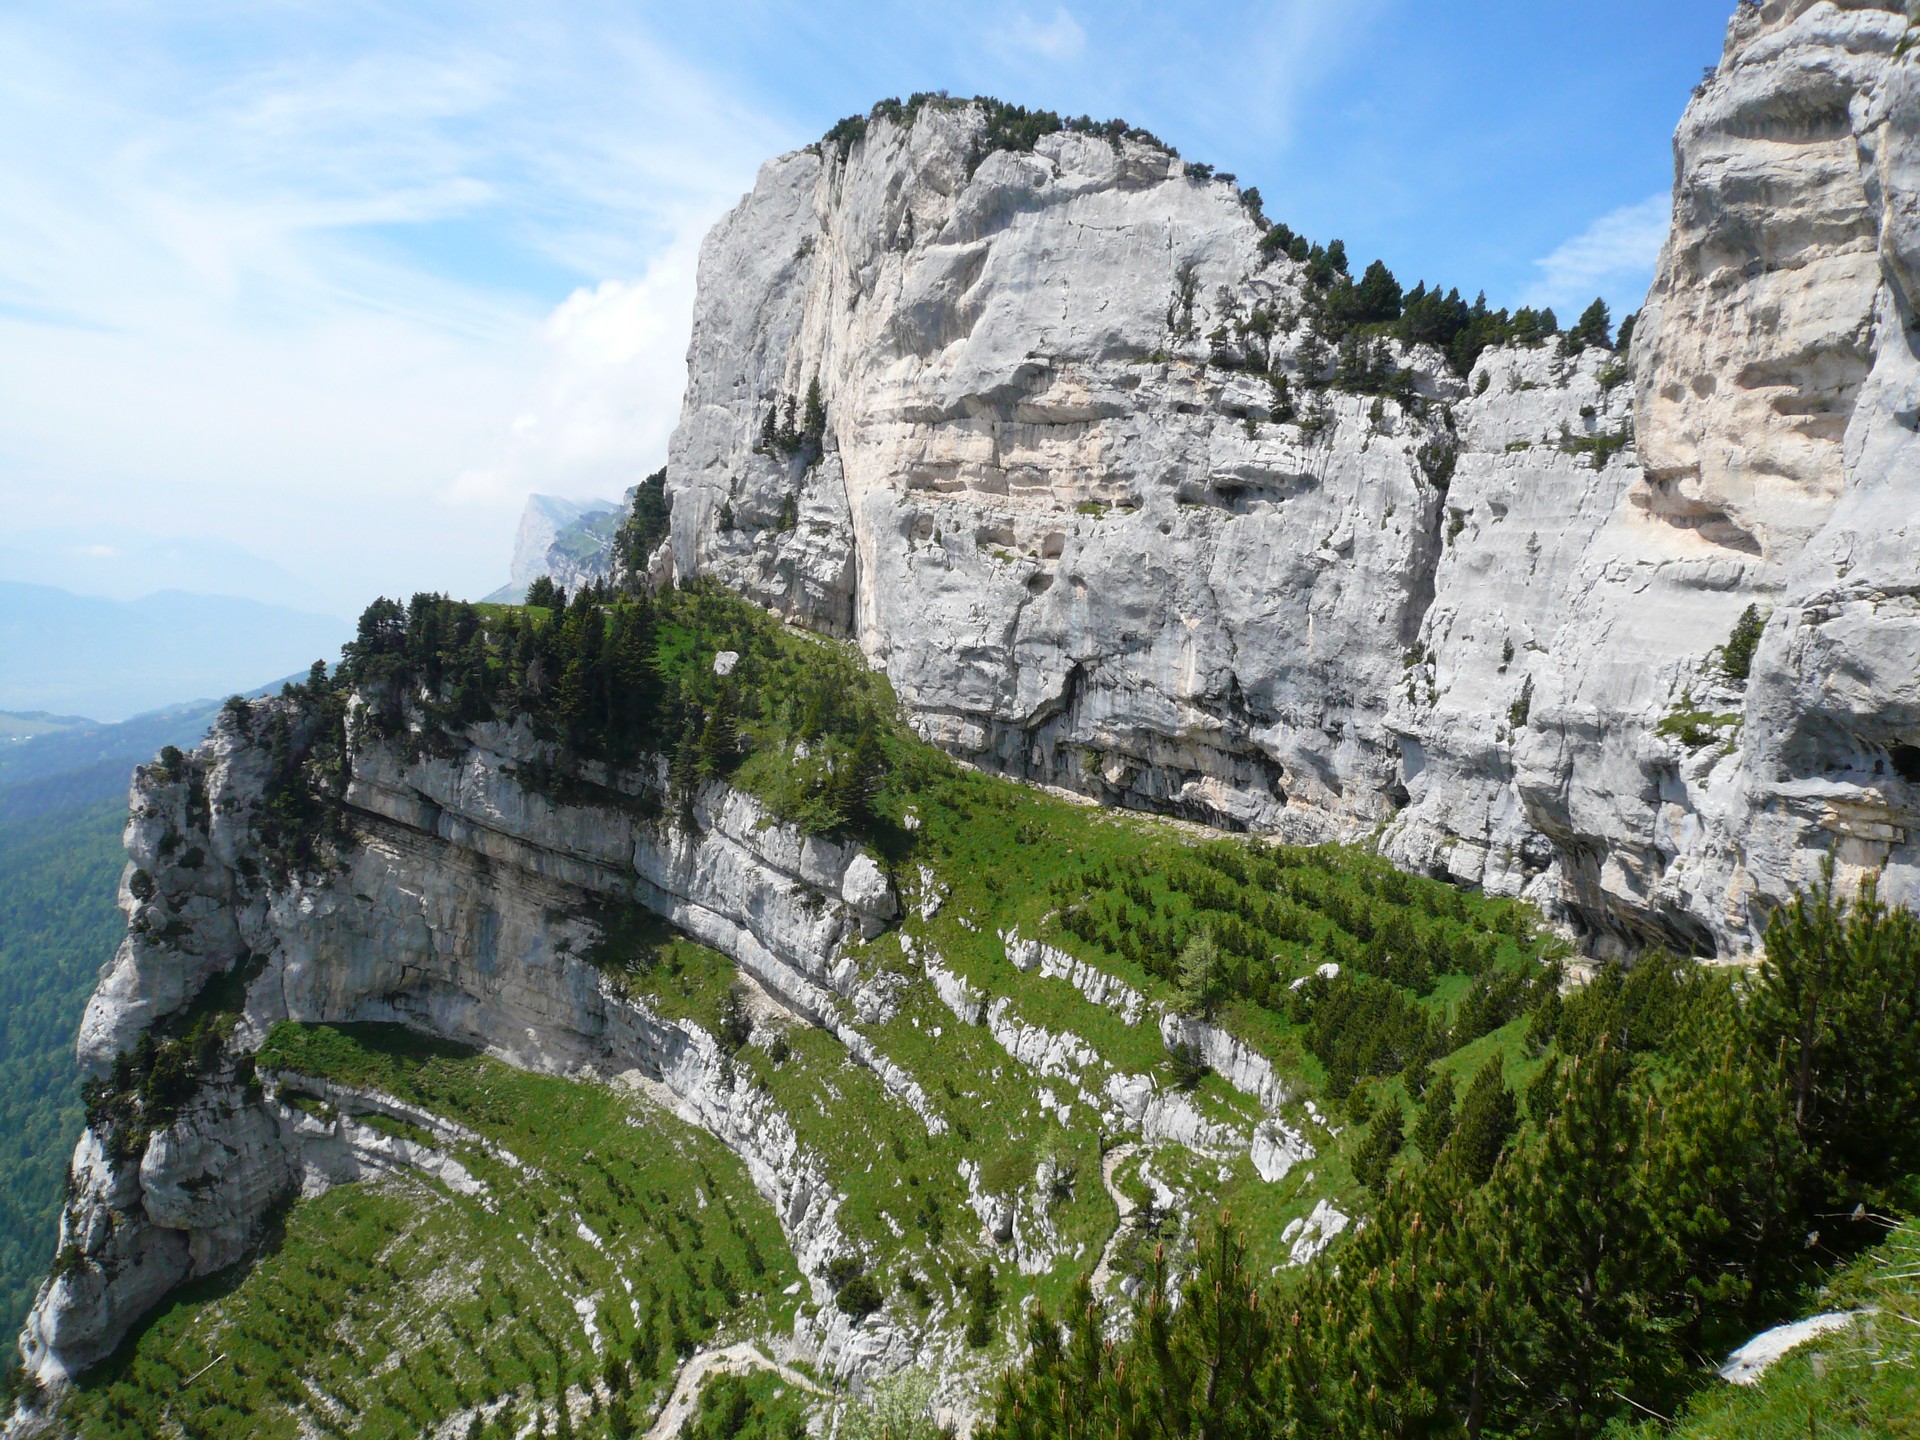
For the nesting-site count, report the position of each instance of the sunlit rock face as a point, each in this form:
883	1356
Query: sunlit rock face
1083	553
1054	504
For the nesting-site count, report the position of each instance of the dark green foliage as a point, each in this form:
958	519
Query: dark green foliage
1488	1118
1521	710
150	1084
645	525
1602	447
736	1024
813	424
1736	659
1203	981
1436	1116
983	1303
859	1297
1189	1066
1376	298
1696	1155
619	678
302	825
542	594
1008	127
788	432
1839	1004
1359	1026
1374	1161
1188	1370
1594	327
856	1293
746	1407
58	924
1438	460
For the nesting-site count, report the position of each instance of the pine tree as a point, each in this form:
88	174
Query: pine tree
1377	296
813	430
1436	1116
1374	1162
1731	1180
1596	1271
1202	976
1487	1121
1411	1336
1839	1001
1595	327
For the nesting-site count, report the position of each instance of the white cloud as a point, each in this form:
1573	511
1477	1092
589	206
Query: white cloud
1059	40
599	413
1613	257
304	305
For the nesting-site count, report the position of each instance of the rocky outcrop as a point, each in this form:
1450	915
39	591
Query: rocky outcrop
569	541
1090	548
1082	553
1570	730
465	909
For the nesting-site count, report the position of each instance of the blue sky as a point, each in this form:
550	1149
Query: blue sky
338	284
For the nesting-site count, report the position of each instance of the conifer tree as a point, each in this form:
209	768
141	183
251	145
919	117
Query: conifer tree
1202	978
1839	1002
1374	1162
1377	296
1594	327
1596	1269
1436	1116
1487	1121
813	428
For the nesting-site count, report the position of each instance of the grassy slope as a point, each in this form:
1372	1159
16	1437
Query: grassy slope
1004	856
58	923
1863	1384
382	1307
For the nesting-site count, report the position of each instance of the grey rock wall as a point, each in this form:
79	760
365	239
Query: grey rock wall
1087	551
462	910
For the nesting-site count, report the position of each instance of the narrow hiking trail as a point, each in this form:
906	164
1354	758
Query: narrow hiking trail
735	1359
1109	1167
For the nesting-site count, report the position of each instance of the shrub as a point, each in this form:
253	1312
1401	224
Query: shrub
736	1022
859	1297
1736	658
1189	1066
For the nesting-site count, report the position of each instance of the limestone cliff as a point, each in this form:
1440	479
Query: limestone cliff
1089	548
1776	389
1053	486
471	886
460	910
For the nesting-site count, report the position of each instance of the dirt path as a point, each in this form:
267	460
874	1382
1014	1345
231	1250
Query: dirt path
1109	1167
732	1360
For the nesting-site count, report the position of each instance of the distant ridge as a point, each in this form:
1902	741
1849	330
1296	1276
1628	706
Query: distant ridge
114	659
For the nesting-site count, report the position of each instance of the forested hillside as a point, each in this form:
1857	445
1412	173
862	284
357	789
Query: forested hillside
1105	1079
58	923
63	805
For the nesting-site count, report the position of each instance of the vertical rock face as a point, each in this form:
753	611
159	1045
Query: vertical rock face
461	909
1776	402
1082	552
568	540
1089	548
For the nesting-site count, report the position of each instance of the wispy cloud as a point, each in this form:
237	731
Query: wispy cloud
1613	257
284	276
1059	39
